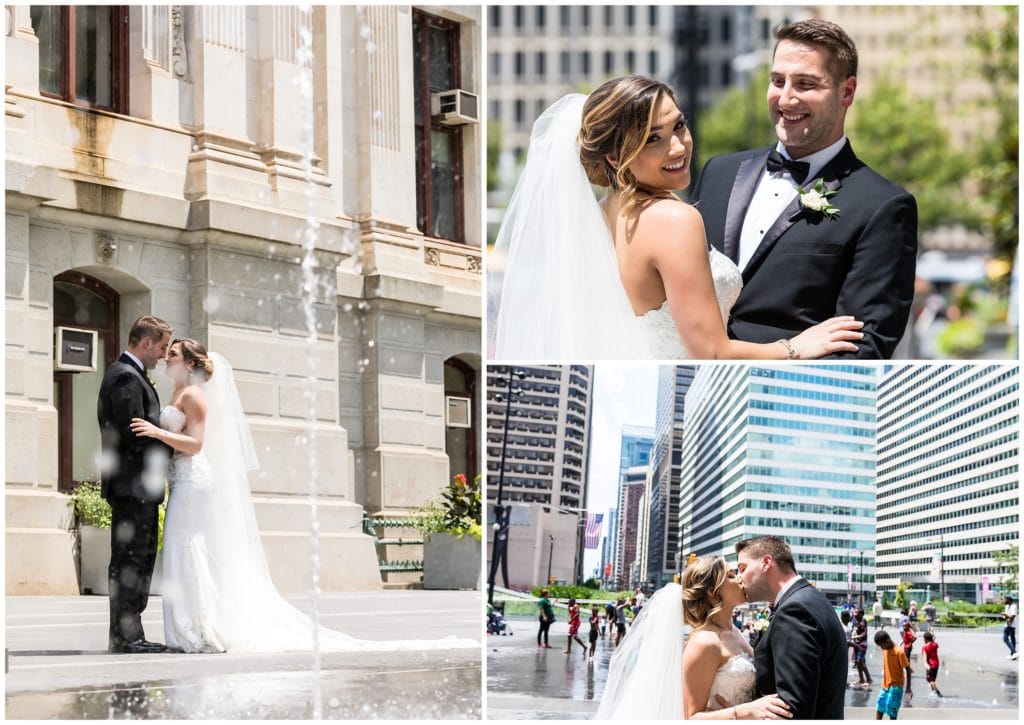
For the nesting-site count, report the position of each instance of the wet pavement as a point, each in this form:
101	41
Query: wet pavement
524	682
57	665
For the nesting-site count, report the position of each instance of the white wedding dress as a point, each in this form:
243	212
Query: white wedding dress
558	295
659	327
645	676
217	592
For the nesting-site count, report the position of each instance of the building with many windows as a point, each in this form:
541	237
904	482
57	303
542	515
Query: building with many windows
154	164
538	434
664	552
948	478
787	451
634	484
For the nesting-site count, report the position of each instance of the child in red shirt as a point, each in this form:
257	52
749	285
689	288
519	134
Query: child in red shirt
574	628
931	658
909	637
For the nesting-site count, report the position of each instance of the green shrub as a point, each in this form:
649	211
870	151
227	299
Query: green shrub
457	512
91	509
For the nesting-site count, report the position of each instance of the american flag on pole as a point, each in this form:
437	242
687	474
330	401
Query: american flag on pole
592	533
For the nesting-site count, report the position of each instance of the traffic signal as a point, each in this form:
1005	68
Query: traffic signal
691	558
551	581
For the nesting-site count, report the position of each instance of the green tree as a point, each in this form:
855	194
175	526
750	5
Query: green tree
998	167
494	138
738	121
1009	567
901	595
901	138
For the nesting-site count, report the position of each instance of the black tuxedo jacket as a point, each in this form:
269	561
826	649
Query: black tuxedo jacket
803	655
126	393
809	268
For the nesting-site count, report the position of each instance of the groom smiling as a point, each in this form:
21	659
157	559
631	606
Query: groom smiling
815	232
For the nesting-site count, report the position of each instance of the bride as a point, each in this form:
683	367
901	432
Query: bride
631	276
218	594
652	676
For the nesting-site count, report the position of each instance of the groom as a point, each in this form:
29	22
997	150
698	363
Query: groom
802	655
802	263
134	473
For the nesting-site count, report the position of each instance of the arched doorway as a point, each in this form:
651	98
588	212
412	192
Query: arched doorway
461	414
84	303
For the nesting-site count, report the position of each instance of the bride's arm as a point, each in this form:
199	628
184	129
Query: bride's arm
190	440
674	232
702	657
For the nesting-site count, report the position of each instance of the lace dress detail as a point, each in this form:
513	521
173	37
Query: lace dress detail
735	681
660	328
189	587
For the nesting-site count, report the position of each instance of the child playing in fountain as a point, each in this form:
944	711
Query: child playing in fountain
574	628
595	624
895	672
931	658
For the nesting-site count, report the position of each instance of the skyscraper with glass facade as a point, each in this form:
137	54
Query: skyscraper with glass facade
787	451
635	449
948	478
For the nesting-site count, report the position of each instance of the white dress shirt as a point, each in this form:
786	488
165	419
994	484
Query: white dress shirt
785	587
774	192
136	361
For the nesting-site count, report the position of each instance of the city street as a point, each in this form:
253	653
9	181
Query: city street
58	667
524	682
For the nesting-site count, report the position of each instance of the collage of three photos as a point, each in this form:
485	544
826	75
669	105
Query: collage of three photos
512	362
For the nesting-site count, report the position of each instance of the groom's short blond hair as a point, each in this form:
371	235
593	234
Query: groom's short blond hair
771	546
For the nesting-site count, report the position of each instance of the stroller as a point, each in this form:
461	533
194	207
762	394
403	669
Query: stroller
496	623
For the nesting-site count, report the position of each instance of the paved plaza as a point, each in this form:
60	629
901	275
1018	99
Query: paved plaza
524	682
58	666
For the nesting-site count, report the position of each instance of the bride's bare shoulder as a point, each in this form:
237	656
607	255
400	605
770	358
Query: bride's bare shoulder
666	222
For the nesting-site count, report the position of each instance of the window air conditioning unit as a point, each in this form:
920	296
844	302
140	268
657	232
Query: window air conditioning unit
455	107
74	350
458	412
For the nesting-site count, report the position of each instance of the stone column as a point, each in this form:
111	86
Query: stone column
246	305
21	50
154	84
281	110
39	518
222	164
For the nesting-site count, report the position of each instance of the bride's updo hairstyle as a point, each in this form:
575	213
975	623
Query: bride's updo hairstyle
701	582
195	356
617	120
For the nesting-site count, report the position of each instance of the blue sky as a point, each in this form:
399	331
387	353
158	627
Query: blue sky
624	394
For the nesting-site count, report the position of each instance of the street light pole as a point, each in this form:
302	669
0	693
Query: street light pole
499	552
942	569
551	553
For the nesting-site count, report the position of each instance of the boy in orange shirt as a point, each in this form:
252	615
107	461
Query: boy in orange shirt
895	671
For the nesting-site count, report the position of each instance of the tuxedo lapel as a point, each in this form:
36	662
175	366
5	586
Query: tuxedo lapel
747	176
831	175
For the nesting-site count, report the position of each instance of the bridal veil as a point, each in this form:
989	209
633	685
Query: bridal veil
559	296
645	675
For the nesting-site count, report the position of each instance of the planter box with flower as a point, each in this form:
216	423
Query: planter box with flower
92	513
452	537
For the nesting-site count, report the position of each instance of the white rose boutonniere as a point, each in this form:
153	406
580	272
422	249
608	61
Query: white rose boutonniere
816	199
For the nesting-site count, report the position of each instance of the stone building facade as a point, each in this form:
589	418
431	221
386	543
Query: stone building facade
160	171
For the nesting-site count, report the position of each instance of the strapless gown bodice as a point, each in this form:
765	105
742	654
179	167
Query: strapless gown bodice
661	330
735	681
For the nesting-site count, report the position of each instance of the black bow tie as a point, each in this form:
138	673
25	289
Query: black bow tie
797	169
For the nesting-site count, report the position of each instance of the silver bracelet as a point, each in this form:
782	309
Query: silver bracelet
734	716
790	350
